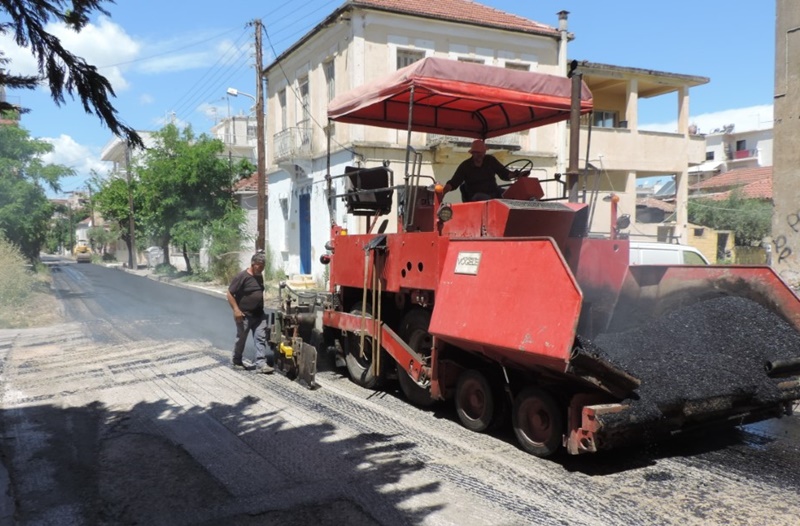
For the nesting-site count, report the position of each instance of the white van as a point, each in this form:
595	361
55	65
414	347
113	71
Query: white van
665	254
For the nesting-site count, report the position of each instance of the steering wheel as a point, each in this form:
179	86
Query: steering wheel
526	165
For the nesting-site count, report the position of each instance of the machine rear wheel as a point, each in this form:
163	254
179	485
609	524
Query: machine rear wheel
360	368
414	331
538	422
475	401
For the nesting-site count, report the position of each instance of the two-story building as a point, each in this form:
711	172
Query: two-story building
365	39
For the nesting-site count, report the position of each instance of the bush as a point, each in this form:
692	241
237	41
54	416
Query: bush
25	297
166	269
16	281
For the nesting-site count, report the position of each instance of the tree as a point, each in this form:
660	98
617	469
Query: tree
64	71
25	211
749	219
186	187
111	202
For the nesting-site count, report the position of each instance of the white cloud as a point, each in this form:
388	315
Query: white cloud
224	54
743	119
145	99
213	111
80	158
102	44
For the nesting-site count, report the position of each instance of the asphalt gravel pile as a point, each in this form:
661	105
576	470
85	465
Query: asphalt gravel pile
715	348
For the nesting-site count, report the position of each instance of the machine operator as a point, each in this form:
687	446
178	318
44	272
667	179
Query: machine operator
476	178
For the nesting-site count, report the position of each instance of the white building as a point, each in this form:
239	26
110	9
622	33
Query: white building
365	39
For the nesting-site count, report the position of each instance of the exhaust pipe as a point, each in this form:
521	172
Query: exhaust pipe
783	368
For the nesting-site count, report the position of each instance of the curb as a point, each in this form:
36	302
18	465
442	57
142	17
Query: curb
170	281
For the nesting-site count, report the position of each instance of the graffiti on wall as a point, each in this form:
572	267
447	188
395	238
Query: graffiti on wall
783	247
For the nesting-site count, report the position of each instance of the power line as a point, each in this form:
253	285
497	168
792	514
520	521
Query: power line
143	59
231	54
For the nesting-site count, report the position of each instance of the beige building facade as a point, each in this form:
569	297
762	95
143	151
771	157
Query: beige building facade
366	39
786	154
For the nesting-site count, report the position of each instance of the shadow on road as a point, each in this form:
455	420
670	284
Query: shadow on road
93	465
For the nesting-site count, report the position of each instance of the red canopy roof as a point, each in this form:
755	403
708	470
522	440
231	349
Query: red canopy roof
459	98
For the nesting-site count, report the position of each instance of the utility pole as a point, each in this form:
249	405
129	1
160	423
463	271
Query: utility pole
132	263
262	184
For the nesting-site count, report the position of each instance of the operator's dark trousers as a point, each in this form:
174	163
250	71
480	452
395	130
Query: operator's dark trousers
255	323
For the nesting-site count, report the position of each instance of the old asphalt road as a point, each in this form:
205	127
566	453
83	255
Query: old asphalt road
128	412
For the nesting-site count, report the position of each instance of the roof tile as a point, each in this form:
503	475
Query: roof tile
738	177
248	184
459	11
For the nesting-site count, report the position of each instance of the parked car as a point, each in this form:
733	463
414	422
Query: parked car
665	254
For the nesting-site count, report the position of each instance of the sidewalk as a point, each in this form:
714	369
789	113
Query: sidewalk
210	288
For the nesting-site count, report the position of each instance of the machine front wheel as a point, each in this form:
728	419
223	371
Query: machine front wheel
538	422
475	401
414	331
360	367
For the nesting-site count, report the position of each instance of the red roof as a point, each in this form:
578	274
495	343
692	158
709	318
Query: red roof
459	98
758	190
734	178
652	202
464	11
248	184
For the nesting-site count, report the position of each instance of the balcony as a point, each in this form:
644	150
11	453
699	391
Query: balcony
743	154
292	143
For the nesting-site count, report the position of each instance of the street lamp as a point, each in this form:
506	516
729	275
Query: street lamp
233	92
261	183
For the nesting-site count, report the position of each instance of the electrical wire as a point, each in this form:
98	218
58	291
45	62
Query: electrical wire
226	60
149	57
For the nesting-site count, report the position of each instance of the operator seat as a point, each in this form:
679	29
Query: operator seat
368	191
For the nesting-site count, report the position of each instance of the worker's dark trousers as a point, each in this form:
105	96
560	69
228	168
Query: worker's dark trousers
257	325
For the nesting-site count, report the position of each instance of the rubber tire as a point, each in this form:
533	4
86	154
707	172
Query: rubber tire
479	384
360	371
413	328
548	438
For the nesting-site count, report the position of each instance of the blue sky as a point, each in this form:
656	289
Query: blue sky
174	59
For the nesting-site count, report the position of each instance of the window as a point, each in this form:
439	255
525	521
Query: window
604	119
741	145
471	60
693	258
330	79
518	66
406	57
252	130
710	155
305	104
282	108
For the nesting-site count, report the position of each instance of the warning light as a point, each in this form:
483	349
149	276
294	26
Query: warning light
438	189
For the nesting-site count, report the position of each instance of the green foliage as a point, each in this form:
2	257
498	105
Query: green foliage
749	219
226	239
186	188
102	236
270	272
165	269
26	21
25	211
15	280
111	201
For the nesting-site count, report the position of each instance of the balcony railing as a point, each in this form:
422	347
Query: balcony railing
745	154
292	143
511	141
